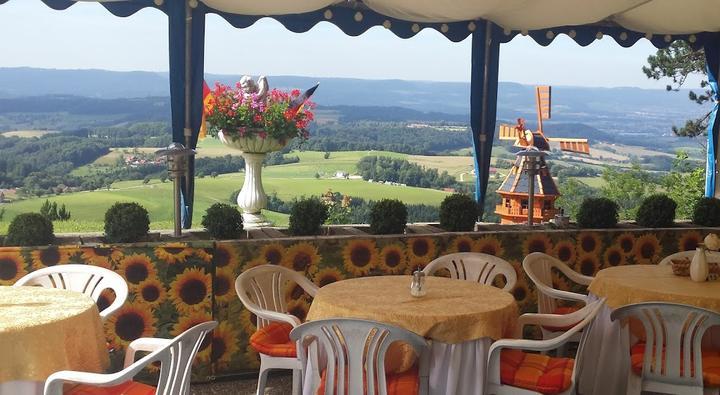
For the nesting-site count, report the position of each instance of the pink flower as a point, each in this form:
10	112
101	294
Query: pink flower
263	135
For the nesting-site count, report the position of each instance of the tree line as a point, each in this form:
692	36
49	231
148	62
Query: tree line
386	169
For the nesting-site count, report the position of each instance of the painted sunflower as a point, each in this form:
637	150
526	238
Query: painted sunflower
626	241
587	264
225	255
360	256
252	358
537	242
224	285
253	263
105	299
523	293
294	291
205	254
327	276
188	321
272	253
647	249
461	244
614	256
490	245
151	292
302	257
173	253
100	256
421	250
49	256
131	322
589	243
392	259
224	344
561	282
12	267
248	321
299	309
689	240
190	291
137	268
565	251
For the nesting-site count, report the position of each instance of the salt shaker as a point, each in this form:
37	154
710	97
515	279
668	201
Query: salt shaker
417	287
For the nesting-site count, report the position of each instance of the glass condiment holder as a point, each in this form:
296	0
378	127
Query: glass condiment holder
417	286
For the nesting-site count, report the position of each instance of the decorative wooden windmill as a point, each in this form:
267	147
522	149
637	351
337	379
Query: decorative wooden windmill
515	188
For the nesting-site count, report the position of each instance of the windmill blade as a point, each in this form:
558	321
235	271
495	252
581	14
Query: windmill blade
580	146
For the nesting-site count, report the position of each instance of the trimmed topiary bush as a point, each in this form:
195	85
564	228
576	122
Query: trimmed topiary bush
30	229
126	223
597	213
707	212
307	217
223	221
388	216
458	213
656	211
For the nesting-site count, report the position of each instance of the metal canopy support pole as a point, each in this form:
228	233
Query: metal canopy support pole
483	103
186	19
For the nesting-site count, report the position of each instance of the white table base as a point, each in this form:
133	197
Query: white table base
606	361
457	369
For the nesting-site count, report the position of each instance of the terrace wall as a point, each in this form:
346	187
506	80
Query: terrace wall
176	285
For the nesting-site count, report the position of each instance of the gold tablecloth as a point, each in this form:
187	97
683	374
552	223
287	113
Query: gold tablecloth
45	330
623	285
453	311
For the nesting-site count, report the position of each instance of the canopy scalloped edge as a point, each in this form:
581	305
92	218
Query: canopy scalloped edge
118	8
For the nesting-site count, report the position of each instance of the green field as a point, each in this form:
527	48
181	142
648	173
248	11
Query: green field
87	208
28	133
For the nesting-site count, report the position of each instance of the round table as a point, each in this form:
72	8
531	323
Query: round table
461	317
44	330
606	366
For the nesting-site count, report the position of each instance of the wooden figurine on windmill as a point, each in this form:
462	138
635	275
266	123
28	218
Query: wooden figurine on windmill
515	189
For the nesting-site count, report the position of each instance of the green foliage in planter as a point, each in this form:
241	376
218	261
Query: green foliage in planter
307	216
597	213
388	216
458	213
656	211
126	223
223	221
30	229
707	212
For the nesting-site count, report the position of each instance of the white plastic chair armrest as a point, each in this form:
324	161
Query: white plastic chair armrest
554	320
275	316
578	278
54	383
307	285
565	295
148	344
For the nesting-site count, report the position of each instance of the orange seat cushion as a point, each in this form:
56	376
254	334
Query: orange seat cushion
274	340
535	372
126	388
710	363
405	383
562	311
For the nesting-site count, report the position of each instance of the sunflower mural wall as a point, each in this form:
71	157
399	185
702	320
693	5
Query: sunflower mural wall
174	286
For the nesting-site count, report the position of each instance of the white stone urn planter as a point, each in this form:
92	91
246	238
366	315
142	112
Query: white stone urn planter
252	198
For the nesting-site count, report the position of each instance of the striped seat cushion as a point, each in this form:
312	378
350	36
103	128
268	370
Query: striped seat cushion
126	388
710	363
405	383
535	372
274	340
562	311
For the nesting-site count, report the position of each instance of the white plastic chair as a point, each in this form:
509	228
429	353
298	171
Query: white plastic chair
538	267
87	279
356	348
673	340
713	256
262	291
584	317
175	357
474	266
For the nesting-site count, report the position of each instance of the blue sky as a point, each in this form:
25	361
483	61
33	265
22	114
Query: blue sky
87	36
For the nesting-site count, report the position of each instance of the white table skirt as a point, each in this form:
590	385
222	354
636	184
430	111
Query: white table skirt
22	388
606	361
454	368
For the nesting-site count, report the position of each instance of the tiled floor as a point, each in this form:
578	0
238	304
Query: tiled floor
278	384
